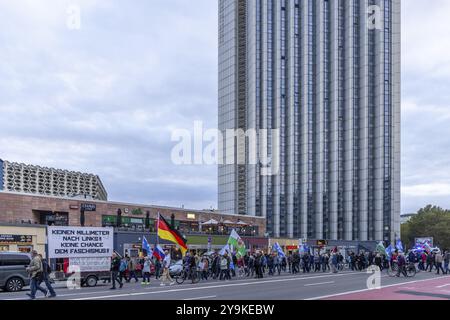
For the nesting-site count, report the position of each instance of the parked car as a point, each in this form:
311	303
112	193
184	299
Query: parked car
13	274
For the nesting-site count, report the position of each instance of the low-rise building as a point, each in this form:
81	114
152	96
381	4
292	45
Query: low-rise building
23	238
204	229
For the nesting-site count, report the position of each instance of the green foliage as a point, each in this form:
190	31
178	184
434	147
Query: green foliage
431	221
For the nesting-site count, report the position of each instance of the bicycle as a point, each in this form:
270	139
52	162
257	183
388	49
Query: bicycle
192	274
411	270
393	269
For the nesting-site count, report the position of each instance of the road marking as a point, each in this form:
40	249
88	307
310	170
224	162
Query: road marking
212	287
318	284
201	298
283	277
443	286
364	290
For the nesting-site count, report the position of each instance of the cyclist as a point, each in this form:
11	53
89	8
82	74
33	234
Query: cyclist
401	263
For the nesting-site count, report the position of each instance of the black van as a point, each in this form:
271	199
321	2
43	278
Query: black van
13	274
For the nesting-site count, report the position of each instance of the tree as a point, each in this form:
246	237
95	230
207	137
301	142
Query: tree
431	221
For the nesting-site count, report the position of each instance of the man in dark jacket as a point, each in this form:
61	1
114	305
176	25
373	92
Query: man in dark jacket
401	262
430	262
46	270
115	265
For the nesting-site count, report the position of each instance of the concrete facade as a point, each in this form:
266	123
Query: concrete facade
327	76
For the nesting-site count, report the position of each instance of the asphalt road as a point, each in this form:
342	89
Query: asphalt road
285	287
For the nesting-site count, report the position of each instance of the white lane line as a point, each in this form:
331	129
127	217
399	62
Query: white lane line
318	284
200	298
443	286
212	287
364	290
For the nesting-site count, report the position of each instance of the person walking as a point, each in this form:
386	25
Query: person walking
311	262
132	263
270	265
146	271
46	271
378	261
36	275
204	267
305	262
166	272
446	260
251	266
334	262
223	267
123	269
430	262
438	259
115	267
216	266
158	267
296	262
289	262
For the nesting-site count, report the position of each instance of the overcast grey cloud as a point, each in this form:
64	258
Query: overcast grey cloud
105	98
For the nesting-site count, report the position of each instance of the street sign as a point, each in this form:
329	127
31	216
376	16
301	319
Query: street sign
88	207
14	239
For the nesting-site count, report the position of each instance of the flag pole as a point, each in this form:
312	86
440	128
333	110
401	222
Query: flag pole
157	233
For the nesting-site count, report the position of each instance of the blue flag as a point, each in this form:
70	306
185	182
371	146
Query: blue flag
389	251
399	244
225	249
277	247
146	247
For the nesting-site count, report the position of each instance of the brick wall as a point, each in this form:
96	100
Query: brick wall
17	207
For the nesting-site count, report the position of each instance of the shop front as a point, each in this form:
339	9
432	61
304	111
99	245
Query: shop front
129	243
256	243
23	238
201	244
289	246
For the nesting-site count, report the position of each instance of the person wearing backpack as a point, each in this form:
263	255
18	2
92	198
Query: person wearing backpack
115	270
35	270
123	269
46	271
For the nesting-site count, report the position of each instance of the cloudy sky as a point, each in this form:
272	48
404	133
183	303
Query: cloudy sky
105	98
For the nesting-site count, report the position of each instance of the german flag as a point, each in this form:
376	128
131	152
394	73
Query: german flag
167	233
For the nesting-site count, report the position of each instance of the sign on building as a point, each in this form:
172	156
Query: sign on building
15	239
88	207
80	242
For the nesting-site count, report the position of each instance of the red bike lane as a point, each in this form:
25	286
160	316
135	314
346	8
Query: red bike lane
432	289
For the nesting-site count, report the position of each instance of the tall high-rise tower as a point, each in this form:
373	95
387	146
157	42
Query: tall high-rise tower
326	74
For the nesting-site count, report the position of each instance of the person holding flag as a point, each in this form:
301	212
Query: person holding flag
146	247
277	248
237	245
